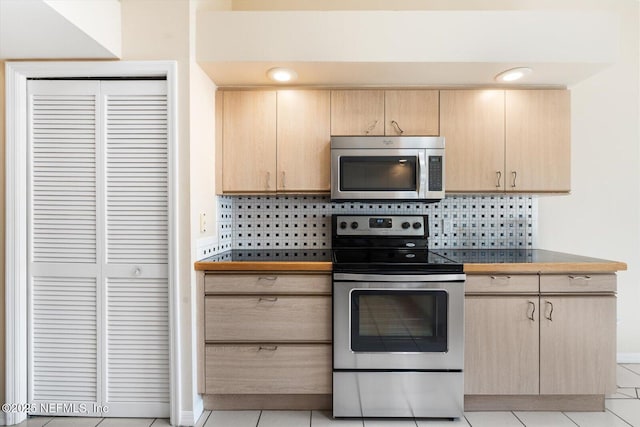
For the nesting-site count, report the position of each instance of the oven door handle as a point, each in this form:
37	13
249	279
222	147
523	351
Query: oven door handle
356	277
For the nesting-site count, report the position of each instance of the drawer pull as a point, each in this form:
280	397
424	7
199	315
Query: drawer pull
272	299
533	311
580	277
268	279
500	277
268	348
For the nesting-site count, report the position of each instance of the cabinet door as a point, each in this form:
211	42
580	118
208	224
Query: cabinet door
304	122
578	345
357	112
472	122
249	141
538	140
411	112
501	345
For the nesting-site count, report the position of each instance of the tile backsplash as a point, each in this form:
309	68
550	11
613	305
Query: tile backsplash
304	222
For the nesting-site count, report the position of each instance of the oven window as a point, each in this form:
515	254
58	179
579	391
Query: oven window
399	321
378	173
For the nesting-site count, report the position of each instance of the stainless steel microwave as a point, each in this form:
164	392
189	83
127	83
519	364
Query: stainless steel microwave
387	168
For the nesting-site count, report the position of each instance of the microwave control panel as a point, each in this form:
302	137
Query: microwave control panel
435	173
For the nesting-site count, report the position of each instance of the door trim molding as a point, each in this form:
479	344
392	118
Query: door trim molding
16	75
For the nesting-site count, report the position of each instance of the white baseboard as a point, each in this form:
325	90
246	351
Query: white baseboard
628	358
187	418
198	409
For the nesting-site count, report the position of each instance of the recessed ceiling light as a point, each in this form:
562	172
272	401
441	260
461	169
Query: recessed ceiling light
513	74
281	75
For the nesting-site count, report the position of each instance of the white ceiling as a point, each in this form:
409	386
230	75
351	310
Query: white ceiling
33	29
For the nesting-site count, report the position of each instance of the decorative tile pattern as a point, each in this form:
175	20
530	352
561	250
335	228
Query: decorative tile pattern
304	222
225	221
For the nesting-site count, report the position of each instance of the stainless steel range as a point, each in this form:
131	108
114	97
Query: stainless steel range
398	321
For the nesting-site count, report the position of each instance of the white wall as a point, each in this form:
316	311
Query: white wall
99	19
601	217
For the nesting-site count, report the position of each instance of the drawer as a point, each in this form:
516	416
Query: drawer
579	283
267	318
267	283
502	283
271	369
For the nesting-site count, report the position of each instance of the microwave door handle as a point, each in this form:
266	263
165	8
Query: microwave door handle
421	175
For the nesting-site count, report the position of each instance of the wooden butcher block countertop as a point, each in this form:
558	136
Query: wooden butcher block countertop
476	261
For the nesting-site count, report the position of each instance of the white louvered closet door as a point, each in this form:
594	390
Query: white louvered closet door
137	242
98	236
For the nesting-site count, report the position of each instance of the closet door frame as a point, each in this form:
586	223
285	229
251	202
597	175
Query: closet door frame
16	279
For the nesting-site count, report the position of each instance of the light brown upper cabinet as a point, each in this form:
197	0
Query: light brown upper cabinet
538	135
275	141
357	112
249	141
384	112
513	140
411	112
472	122
303	134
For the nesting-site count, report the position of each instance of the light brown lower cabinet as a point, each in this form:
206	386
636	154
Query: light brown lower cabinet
266	340
547	343
273	369
501	345
273	318
577	344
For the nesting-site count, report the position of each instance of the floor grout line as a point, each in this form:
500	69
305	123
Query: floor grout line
517	418
570	419
623	420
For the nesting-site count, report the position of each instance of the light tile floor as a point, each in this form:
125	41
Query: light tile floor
622	410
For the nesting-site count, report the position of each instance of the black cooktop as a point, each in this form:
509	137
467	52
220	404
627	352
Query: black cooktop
320	255
409	260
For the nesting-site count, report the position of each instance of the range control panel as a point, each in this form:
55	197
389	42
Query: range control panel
381	225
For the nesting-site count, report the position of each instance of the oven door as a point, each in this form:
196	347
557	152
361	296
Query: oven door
378	174
389	321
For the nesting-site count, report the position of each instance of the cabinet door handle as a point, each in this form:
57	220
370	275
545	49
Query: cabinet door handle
273	299
498	176
514	174
283	180
370	128
268	180
533	311
397	126
268	348
550	316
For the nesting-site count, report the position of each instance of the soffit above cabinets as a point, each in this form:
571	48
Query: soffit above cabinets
60	29
405	48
